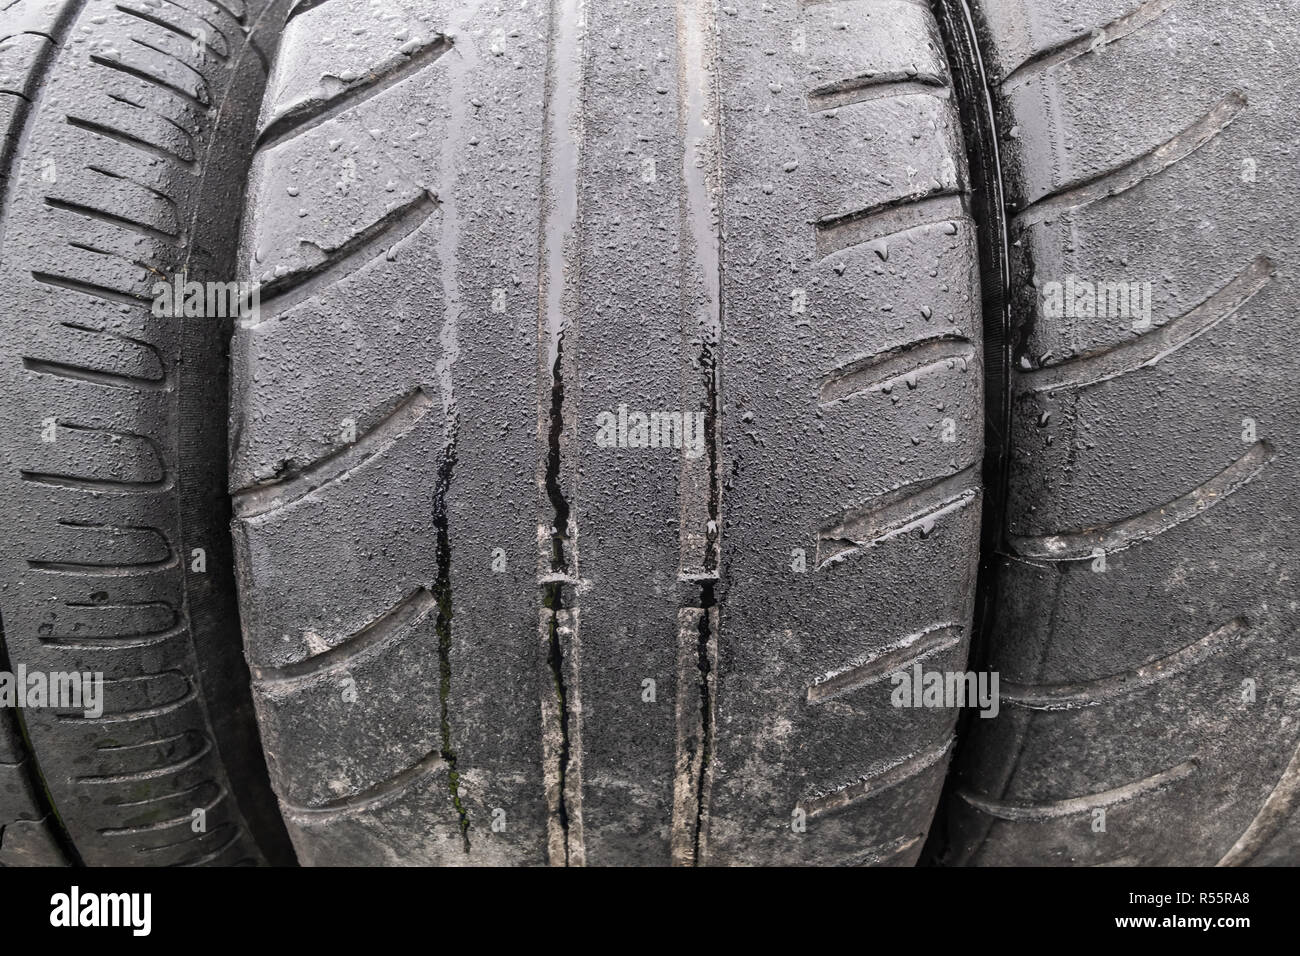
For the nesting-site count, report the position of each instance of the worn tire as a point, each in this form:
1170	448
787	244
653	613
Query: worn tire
479	634
1145	623
125	141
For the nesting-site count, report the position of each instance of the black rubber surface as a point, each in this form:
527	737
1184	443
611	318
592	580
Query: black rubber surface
635	389
126	130
492	238
1145	628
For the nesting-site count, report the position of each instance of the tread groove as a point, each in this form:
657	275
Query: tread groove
1272	816
146	77
313	113
883	852
368	244
112	218
107	293
144	713
152	773
93	376
170	27
115	642
260	499
1079	545
1090	42
209	857
398	619
104	570
221	5
134	142
1150	347
203	15
861	89
874	372
895	513
837	233
899	656
1093	692
877	782
1137	171
171	203
1051	809
376	796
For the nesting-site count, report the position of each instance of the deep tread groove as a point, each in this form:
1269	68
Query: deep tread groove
442	591
107	293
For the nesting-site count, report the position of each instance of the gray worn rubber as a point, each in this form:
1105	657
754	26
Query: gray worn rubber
1146	625
126	129
483	625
